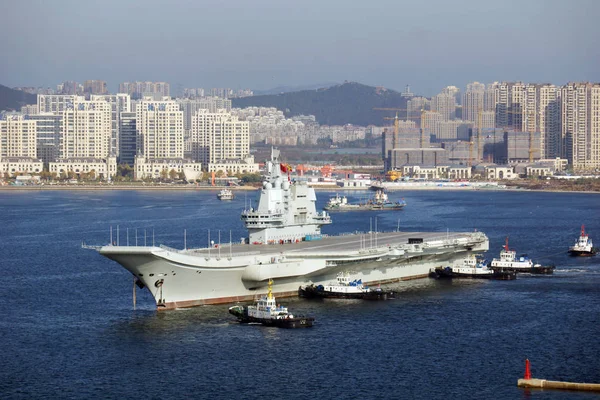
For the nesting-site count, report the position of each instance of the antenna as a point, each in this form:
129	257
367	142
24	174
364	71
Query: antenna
111	241
185	239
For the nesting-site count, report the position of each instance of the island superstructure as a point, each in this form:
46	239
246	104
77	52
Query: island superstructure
285	243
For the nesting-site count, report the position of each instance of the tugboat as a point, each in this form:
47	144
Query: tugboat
583	246
473	268
269	313
345	288
225	194
508	262
379	202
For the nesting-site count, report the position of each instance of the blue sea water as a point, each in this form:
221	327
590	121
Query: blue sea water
69	330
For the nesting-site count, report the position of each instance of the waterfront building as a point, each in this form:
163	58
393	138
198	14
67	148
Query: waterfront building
549	120
86	130
235	166
127	138
119	103
518	146
159	126
18	137
95	168
493	172
157	168
48	135
14	166
218	136
580	130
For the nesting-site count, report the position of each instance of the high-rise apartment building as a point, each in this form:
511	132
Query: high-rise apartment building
473	102
17	137
127	138
190	107
69	87
549	120
48	135
159	125
55	103
86	130
580	117
445	104
137	89
119	103
219	136
94	87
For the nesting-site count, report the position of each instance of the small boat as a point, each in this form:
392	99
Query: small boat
509	261
379	202
583	246
471	267
267	312
225	194
345	288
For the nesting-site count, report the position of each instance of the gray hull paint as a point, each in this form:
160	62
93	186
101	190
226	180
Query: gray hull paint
188	278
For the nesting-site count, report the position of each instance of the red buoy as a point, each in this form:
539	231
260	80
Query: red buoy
527	370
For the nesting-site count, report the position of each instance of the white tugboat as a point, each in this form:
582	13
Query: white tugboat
583	246
284	243
266	311
471	267
225	194
509	261
345	288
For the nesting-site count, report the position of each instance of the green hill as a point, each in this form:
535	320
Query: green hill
348	103
11	99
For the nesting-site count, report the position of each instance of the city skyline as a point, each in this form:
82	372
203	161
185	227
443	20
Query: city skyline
272	44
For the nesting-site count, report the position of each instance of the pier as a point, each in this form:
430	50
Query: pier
529	382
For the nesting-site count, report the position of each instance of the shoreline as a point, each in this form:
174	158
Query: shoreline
252	188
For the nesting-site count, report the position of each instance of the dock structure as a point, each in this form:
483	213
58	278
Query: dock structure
529	382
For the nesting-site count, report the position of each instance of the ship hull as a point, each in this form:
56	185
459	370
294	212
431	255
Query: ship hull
178	279
582	253
313	292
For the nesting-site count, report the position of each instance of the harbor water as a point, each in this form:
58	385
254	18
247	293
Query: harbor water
69	329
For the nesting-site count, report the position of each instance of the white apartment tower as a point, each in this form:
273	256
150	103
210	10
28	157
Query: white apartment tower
86	130
580	125
473	102
445	104
17	137
120	102
55	103
219	136
159	126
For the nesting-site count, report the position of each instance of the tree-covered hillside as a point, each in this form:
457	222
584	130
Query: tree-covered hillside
348	103
11	99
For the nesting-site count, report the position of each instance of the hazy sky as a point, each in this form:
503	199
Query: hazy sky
263	44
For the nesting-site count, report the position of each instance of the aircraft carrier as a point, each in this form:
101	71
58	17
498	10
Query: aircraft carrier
285	244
